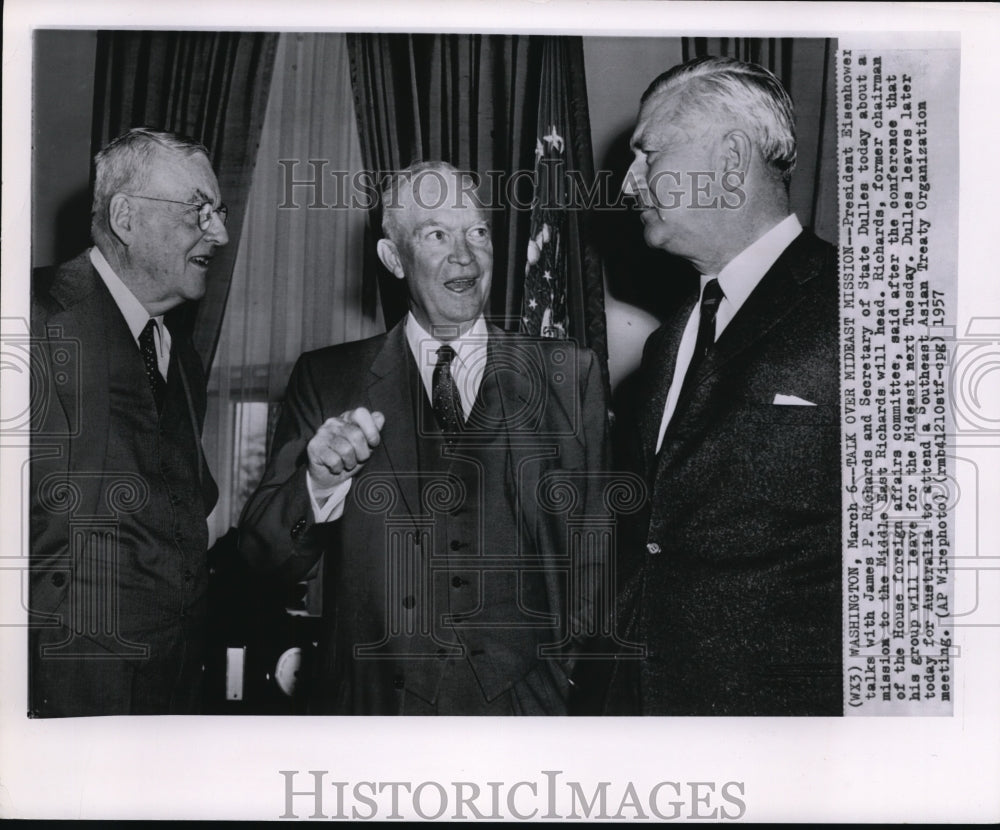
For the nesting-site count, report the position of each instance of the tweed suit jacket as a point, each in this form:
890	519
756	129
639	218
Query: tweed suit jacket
737	590
554	417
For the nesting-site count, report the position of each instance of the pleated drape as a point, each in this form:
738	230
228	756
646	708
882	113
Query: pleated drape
211	86
298	277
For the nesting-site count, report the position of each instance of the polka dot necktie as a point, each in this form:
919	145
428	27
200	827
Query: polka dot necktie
147	346
445	399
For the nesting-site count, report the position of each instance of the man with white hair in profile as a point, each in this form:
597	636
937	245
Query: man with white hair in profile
736	581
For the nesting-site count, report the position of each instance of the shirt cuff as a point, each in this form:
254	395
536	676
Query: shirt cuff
327	502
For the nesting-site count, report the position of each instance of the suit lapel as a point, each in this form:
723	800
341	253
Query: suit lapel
186	364
782	288
775	297
389	393
659	375
519	401
512	391
85	323
514	387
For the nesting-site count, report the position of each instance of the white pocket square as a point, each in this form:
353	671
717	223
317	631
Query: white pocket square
791	400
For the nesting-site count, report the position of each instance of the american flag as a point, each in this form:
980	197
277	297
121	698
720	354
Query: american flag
544	311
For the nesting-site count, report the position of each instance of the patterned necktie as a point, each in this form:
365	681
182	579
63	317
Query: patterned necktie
710	299
147	346
445	398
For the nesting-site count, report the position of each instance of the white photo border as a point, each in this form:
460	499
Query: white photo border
811	769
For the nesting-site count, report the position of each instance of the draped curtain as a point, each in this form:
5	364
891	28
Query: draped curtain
482	103
298	278
211	86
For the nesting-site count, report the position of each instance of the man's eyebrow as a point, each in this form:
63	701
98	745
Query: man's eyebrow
427	223
431	223
201	195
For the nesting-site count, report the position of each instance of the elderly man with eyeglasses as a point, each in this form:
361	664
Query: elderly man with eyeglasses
119	488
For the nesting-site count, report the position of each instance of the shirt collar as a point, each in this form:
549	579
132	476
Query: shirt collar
468	365
467	346
132	310
742	273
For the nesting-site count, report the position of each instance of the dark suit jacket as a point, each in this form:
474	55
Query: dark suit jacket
737	587
81	344
554	415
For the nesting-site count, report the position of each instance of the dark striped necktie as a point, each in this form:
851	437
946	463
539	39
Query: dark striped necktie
710	299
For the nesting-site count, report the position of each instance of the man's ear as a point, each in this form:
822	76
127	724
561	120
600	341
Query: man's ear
737	151
121	218
389	254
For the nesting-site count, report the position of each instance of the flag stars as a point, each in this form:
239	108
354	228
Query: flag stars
532	303
553	139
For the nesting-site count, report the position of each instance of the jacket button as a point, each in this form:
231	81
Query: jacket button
455	544
58	579
653	548
409	601
397	682
297	528
457	582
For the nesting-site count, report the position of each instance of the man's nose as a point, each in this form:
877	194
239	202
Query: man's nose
217	232
634	179
461	253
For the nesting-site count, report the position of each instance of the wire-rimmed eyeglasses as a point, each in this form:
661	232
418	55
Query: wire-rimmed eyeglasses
205	210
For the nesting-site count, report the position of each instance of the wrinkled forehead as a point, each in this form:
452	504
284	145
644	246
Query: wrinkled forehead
660	115
685	114
438	188
442	195
188	176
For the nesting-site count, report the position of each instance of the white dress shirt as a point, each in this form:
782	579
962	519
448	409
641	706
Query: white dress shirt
737	280
467	368
132	310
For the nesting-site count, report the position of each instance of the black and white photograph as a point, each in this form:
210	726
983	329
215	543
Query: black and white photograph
631	364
